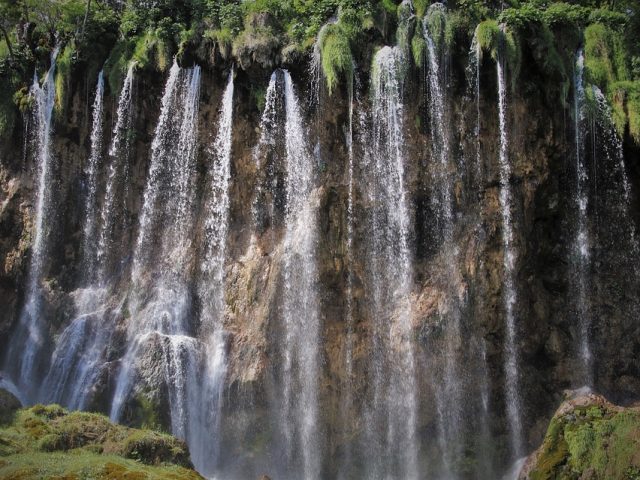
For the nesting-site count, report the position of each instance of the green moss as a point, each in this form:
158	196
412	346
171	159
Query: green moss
418	48
146	412
152	52
457	27
624	98
487	35
336	58
49	442
117	64
513	54
595	439
9	405
606	60
64	65
554	452
83	465
259	96
492	38
436	22
223	38
420	7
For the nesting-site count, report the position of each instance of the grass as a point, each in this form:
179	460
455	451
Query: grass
50	442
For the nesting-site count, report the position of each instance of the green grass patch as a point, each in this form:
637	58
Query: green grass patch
48	441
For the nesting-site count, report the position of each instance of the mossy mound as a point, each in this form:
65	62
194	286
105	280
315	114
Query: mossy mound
588	438
50	442
9	405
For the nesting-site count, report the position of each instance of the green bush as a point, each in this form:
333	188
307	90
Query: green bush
565	15
605	57
625	100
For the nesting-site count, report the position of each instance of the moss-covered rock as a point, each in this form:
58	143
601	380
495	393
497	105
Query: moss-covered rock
588	437
9	405
47	441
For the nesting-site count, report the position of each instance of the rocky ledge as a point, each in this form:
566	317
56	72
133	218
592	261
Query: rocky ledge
588	438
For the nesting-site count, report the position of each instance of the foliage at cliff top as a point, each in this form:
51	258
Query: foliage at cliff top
589	438
48	441
110	33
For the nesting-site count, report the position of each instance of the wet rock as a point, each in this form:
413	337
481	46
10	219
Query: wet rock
9	405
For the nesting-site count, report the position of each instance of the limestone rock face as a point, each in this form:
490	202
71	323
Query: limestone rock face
540	153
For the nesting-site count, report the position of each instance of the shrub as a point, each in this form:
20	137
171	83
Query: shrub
155	448
605	58
564	15
625	100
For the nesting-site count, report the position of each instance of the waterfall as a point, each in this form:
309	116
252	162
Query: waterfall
347	400
205	442
613	150
24	354
265	152
390	429
509	295
449	392
77	359
475	57
300	317
160	302
92	170
117	173
580	261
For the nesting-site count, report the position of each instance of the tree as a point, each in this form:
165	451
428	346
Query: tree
10	13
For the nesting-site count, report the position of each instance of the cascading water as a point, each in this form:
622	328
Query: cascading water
509	295
613	151
580	261
117	173
347	397
475	59
390	429
449	391
205	442
160	303
78	358
23	357
265	154
92	171
300	298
